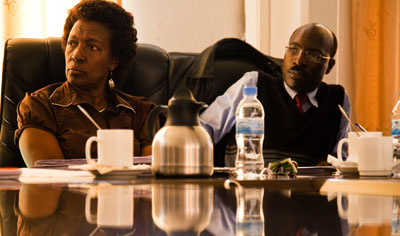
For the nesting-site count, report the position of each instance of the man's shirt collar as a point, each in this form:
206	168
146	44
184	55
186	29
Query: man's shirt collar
311	95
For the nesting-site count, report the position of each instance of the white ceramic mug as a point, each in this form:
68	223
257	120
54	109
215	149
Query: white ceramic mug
366	209
114	147
352	141
114	206
376	156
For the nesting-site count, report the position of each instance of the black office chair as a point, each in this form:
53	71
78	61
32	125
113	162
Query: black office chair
221	65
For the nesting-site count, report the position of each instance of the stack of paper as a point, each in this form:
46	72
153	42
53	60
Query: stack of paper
42	175
9	173
64	163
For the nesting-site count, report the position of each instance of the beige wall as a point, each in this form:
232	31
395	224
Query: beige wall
192	25
186	25
287	15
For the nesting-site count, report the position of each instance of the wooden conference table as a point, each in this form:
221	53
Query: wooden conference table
306	204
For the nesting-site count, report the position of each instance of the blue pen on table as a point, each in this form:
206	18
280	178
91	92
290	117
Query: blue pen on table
361	128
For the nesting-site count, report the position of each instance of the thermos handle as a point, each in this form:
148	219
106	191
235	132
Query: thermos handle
153	117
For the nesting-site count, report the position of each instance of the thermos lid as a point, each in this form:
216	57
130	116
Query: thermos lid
182	95
183	109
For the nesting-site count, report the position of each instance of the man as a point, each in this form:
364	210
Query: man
302	118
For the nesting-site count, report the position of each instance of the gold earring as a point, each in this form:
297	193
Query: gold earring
111	81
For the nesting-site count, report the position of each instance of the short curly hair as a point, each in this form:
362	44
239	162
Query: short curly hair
119	21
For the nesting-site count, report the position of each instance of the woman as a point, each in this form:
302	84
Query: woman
98	37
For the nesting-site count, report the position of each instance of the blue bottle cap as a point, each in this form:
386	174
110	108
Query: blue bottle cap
250	90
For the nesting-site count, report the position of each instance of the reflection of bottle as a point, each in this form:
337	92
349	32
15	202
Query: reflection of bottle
249	213
249	135
396	127
396	217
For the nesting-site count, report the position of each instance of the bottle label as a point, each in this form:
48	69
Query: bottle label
249	126
396	127
255	227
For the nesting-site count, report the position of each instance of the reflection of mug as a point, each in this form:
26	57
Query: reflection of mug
376	156
114	206
366	209
114	147
352	141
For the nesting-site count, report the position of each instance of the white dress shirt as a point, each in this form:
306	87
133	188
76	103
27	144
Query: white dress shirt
219	118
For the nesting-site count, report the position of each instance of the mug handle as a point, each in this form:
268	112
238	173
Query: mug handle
91	218
342	212
339	148
87	148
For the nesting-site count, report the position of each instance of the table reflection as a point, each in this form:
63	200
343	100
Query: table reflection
183	209
396	217
249	213
102	209
201	207
367	214
114	206
49	210
249	209
288	212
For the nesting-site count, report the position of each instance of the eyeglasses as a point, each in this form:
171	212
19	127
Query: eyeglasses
310	56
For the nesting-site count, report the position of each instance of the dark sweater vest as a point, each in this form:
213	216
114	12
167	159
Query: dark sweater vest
307	138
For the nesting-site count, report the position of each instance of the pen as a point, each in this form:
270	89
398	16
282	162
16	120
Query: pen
361	128
348	119
88	116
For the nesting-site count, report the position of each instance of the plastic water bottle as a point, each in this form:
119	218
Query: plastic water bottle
249	135
396	127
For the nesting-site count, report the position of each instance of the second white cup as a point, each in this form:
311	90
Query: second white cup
376	156
352	141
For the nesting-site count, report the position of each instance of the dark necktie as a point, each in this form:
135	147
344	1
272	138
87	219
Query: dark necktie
301	98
